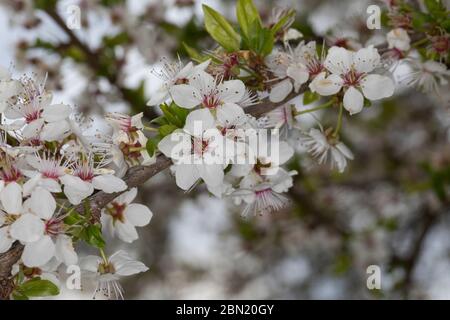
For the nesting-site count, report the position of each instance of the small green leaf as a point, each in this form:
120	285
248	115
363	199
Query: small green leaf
193	53
221	30
247	14
310	97
92	235
170	116
167	129
37	287
283	20
152	146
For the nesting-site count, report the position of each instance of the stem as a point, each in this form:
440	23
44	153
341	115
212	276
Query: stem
419	42
150	129
339	121
322	106
103	255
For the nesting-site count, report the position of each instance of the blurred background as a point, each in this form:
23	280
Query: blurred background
390	208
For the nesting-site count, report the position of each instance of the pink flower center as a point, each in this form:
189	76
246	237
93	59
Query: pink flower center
53	227
352	78
211	101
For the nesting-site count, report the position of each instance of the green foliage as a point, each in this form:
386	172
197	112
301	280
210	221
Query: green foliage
92	235
45	4
35	287
221	30
247	15
309	97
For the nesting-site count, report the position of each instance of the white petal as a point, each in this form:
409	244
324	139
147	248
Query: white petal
366	59
175	145
125	231
42	203
159	96
90	263
127	197
326	86
28	228
11	198
54	131
339	60
280	91
33	129
212	174
377	87
38	253
186	175
64	250
109	183
5	240
353	100
198	121
56	112
138	214
299	74
231	91
230	114
285	152
186	96
76	189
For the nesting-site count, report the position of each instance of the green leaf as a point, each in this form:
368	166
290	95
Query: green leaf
152	145
221	30
170	116
193	53
166	130
37	287
435	7
310	97
247	14
277	26
92	235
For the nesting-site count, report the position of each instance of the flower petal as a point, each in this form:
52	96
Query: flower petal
38	253
353	100
375	87
109	183
125	231
11	198
64	250
186	175
231	91
28	228
366	59
56	112
326	86
280	91
186	96
198	121
138	214
42	203
76	189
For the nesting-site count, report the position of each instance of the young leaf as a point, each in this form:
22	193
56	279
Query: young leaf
93	235
152	146
167	129
247	14
37	287
310	97
221	30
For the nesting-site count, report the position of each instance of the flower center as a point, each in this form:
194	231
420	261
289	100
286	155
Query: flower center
211	101
10	174
199	146
352	78
54	227
117	210
106	268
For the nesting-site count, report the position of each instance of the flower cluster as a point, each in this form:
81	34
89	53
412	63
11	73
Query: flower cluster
49	168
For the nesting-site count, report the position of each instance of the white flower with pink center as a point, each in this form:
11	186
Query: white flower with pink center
351	71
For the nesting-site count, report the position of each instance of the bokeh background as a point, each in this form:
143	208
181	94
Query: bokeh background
390	208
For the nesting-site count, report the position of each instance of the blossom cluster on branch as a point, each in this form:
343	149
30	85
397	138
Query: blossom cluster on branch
209	127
